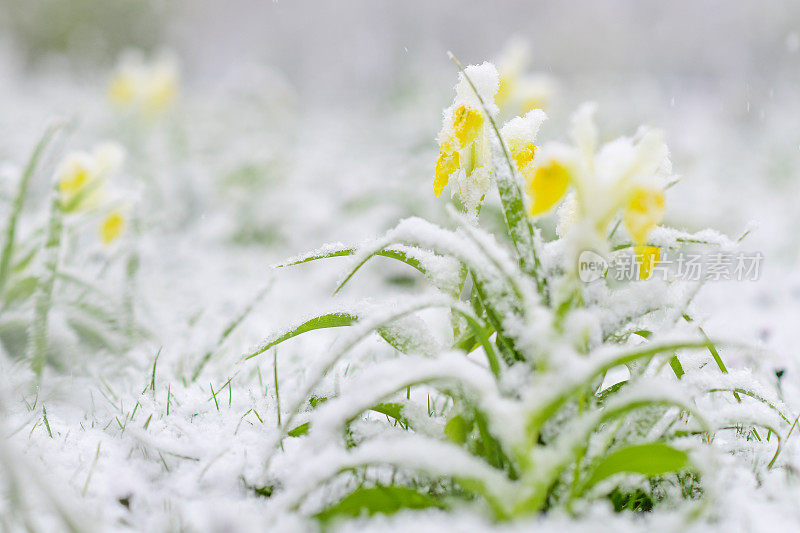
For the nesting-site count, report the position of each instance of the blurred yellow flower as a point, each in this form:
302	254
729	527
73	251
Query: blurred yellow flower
80	176
122	89
644	211
520	91
146	87
112	226
75	174
506	89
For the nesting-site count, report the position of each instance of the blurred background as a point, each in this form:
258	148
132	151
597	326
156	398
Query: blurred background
329	110
353	50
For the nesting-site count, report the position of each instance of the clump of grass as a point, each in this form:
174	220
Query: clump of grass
531	421
39	270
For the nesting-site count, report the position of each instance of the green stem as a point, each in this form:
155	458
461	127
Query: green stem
37	342
131	272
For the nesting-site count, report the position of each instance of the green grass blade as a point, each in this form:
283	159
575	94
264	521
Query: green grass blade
38	345
229	329
326	252
19	202
330	320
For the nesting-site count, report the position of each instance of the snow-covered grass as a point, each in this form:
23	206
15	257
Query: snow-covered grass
158	374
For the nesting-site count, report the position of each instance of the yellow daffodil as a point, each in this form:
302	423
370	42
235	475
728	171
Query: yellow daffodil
622	177
467	124
464	148
112	226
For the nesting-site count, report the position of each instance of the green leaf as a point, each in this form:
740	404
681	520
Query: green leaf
457	429
299	431
392	410
603	396
649	460
506	345
405	334
14	336
25	259
302	429
330	320
467	343
379	500
410	335
546	411
397	255
391	253
43	300
91	334
21	290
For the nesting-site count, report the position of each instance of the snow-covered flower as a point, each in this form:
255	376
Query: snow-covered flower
623	177
547	183
464	143
146	87
627	174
